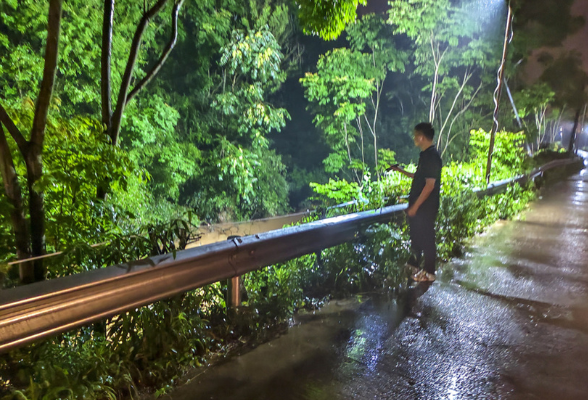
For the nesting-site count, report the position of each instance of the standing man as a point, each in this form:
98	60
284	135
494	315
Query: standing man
423	203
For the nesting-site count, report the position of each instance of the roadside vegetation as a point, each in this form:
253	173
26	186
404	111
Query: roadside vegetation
151	348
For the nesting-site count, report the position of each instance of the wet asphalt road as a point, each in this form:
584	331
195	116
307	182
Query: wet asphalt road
508	321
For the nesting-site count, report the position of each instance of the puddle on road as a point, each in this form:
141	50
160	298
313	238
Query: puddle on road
312	359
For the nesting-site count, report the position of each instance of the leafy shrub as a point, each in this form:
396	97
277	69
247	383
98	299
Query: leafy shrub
509	152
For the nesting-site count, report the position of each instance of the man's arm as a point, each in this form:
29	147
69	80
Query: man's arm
427	190
402	171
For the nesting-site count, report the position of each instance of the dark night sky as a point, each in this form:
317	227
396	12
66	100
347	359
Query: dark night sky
577	42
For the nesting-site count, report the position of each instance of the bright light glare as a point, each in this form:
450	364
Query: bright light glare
491	15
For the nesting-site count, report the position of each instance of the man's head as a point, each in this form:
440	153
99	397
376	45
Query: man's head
423	135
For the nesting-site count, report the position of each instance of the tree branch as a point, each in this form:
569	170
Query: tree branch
466	77
13	130
49	70
360	128
164	55
106	74
128	74
462	111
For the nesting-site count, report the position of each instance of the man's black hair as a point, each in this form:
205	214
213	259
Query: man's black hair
426	129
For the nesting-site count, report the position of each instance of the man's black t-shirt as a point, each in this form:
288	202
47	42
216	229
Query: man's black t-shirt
430	165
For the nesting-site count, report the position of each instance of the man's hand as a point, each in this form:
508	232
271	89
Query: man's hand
397	168
394	167
412	210
429	187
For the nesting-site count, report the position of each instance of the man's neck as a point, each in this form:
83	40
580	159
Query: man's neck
426	145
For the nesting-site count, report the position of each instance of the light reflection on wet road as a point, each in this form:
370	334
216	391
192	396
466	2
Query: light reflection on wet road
510	321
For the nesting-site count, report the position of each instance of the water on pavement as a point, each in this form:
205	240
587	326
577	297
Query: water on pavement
508	321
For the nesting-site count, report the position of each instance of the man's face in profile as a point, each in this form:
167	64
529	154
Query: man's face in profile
417	137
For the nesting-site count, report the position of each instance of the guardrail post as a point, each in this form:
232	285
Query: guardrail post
234	285
319	254
234	292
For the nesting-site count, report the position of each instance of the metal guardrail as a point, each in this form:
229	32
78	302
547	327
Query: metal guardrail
213	233
32	312
38	310
500	186
218	232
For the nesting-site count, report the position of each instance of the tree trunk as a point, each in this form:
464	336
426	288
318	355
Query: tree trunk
31	152
498	92
573	133
14	195
33	157
36	211
106	76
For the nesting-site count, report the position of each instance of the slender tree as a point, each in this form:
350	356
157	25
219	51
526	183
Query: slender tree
112	119
450	51
30	240
372	33
572	143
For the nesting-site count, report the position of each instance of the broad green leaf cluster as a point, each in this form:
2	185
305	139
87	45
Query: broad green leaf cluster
327	18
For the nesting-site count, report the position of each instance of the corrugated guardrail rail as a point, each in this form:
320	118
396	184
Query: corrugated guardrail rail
38	310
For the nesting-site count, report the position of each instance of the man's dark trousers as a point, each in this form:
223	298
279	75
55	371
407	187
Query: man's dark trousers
422	238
